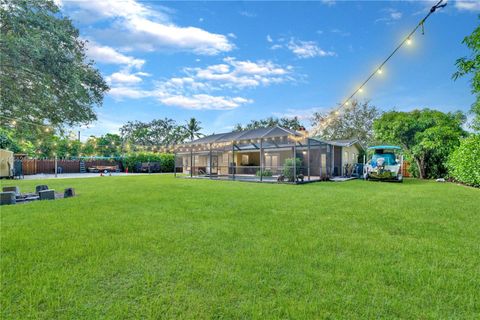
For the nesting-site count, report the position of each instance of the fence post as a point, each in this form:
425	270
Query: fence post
261	160
294	151
308	158
174	164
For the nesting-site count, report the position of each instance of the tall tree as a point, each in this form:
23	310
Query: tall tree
192	129
471	65
158	132
44	74
427	136
285	122
136	132
109	145
354	122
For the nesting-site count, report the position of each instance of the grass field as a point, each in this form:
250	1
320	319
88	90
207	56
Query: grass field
158	247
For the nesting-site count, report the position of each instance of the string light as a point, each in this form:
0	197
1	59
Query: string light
407	40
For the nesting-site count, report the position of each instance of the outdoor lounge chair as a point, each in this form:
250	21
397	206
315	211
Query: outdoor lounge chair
8	198
16	190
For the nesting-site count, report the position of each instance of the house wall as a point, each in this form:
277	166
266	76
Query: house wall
349	156
320	161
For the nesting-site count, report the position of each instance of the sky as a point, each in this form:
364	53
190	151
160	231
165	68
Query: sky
231	62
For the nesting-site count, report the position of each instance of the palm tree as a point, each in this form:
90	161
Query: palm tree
192	129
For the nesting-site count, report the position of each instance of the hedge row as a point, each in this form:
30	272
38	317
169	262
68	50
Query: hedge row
167	160
464	162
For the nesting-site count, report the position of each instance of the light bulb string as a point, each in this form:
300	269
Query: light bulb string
407	38
47	128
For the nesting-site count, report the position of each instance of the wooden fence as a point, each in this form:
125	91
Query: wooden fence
405	167
34	166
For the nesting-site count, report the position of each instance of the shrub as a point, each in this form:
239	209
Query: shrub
166	160
464	162
265	173
288	168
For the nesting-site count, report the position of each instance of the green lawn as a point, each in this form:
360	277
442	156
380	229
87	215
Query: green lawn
158	247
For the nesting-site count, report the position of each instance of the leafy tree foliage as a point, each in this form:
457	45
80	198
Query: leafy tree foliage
7	141
66	148
158	132
192	129
289	123
355	122
109	145
44	76
427	136
464	162
471	65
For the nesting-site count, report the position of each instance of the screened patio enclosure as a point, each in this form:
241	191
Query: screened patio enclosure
264	155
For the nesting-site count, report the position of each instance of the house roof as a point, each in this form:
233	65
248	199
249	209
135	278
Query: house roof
246	135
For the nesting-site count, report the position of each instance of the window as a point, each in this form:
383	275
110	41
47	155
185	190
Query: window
244	159
271	160
225	159
346	156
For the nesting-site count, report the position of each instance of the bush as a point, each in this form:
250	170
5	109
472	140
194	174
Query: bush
167	160
464	162
288	168
265	173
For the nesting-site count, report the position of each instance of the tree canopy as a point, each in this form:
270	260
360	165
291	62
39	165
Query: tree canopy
192	129
159	132
285	122
45	77
427	136
471	65
354	122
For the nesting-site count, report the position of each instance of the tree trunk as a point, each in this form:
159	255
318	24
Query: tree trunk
421	168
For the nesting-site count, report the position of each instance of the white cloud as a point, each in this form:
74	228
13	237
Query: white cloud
122	92
121	77
180	38
340	32
467	5
240	74
269	38
247	14
194	89
106	54
307	49
148	29
396	15
204	102
302	49
329	2
124	77
392	16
